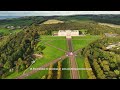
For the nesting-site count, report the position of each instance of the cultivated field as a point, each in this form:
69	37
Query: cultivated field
53	21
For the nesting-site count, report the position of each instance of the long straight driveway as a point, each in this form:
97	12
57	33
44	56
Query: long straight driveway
73	64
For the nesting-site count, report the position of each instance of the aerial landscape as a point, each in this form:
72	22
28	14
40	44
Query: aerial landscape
72	46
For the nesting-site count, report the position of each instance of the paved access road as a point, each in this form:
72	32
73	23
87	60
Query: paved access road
73	64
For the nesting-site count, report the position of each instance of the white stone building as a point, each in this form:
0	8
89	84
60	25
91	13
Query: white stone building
68	33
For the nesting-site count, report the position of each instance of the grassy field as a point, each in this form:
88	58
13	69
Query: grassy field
59	42
80	63
38	75
14	75
66	73
49	53
53	21
82	41
49	37
8	31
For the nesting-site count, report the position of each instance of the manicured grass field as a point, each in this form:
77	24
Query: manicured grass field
82	41
66	73
80	64
59	44
50	53
49	37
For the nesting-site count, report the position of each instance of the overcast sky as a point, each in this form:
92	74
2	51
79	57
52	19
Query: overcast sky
50	13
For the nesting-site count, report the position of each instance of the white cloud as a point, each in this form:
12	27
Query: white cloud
50	13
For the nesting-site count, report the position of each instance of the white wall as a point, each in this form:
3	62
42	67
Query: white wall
72	33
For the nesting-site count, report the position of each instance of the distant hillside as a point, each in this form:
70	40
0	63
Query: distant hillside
113	19
29	20
110	25
22	21
8	17
73	17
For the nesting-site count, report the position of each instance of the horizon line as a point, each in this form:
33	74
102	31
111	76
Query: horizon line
56	13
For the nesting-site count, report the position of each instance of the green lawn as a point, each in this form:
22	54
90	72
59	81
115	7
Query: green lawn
66	73
49	54
82	41
80	63
38	75
5	31
14	75
59	44
49	37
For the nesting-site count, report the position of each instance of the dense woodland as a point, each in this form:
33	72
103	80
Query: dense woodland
113	19
103	18
92	27
16	51
105	63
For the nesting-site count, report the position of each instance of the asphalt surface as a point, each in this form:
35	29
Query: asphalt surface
73	64
69	43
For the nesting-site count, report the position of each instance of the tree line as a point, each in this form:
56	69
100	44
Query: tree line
104	63
16	52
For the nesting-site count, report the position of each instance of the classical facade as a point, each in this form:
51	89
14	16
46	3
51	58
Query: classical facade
68	33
